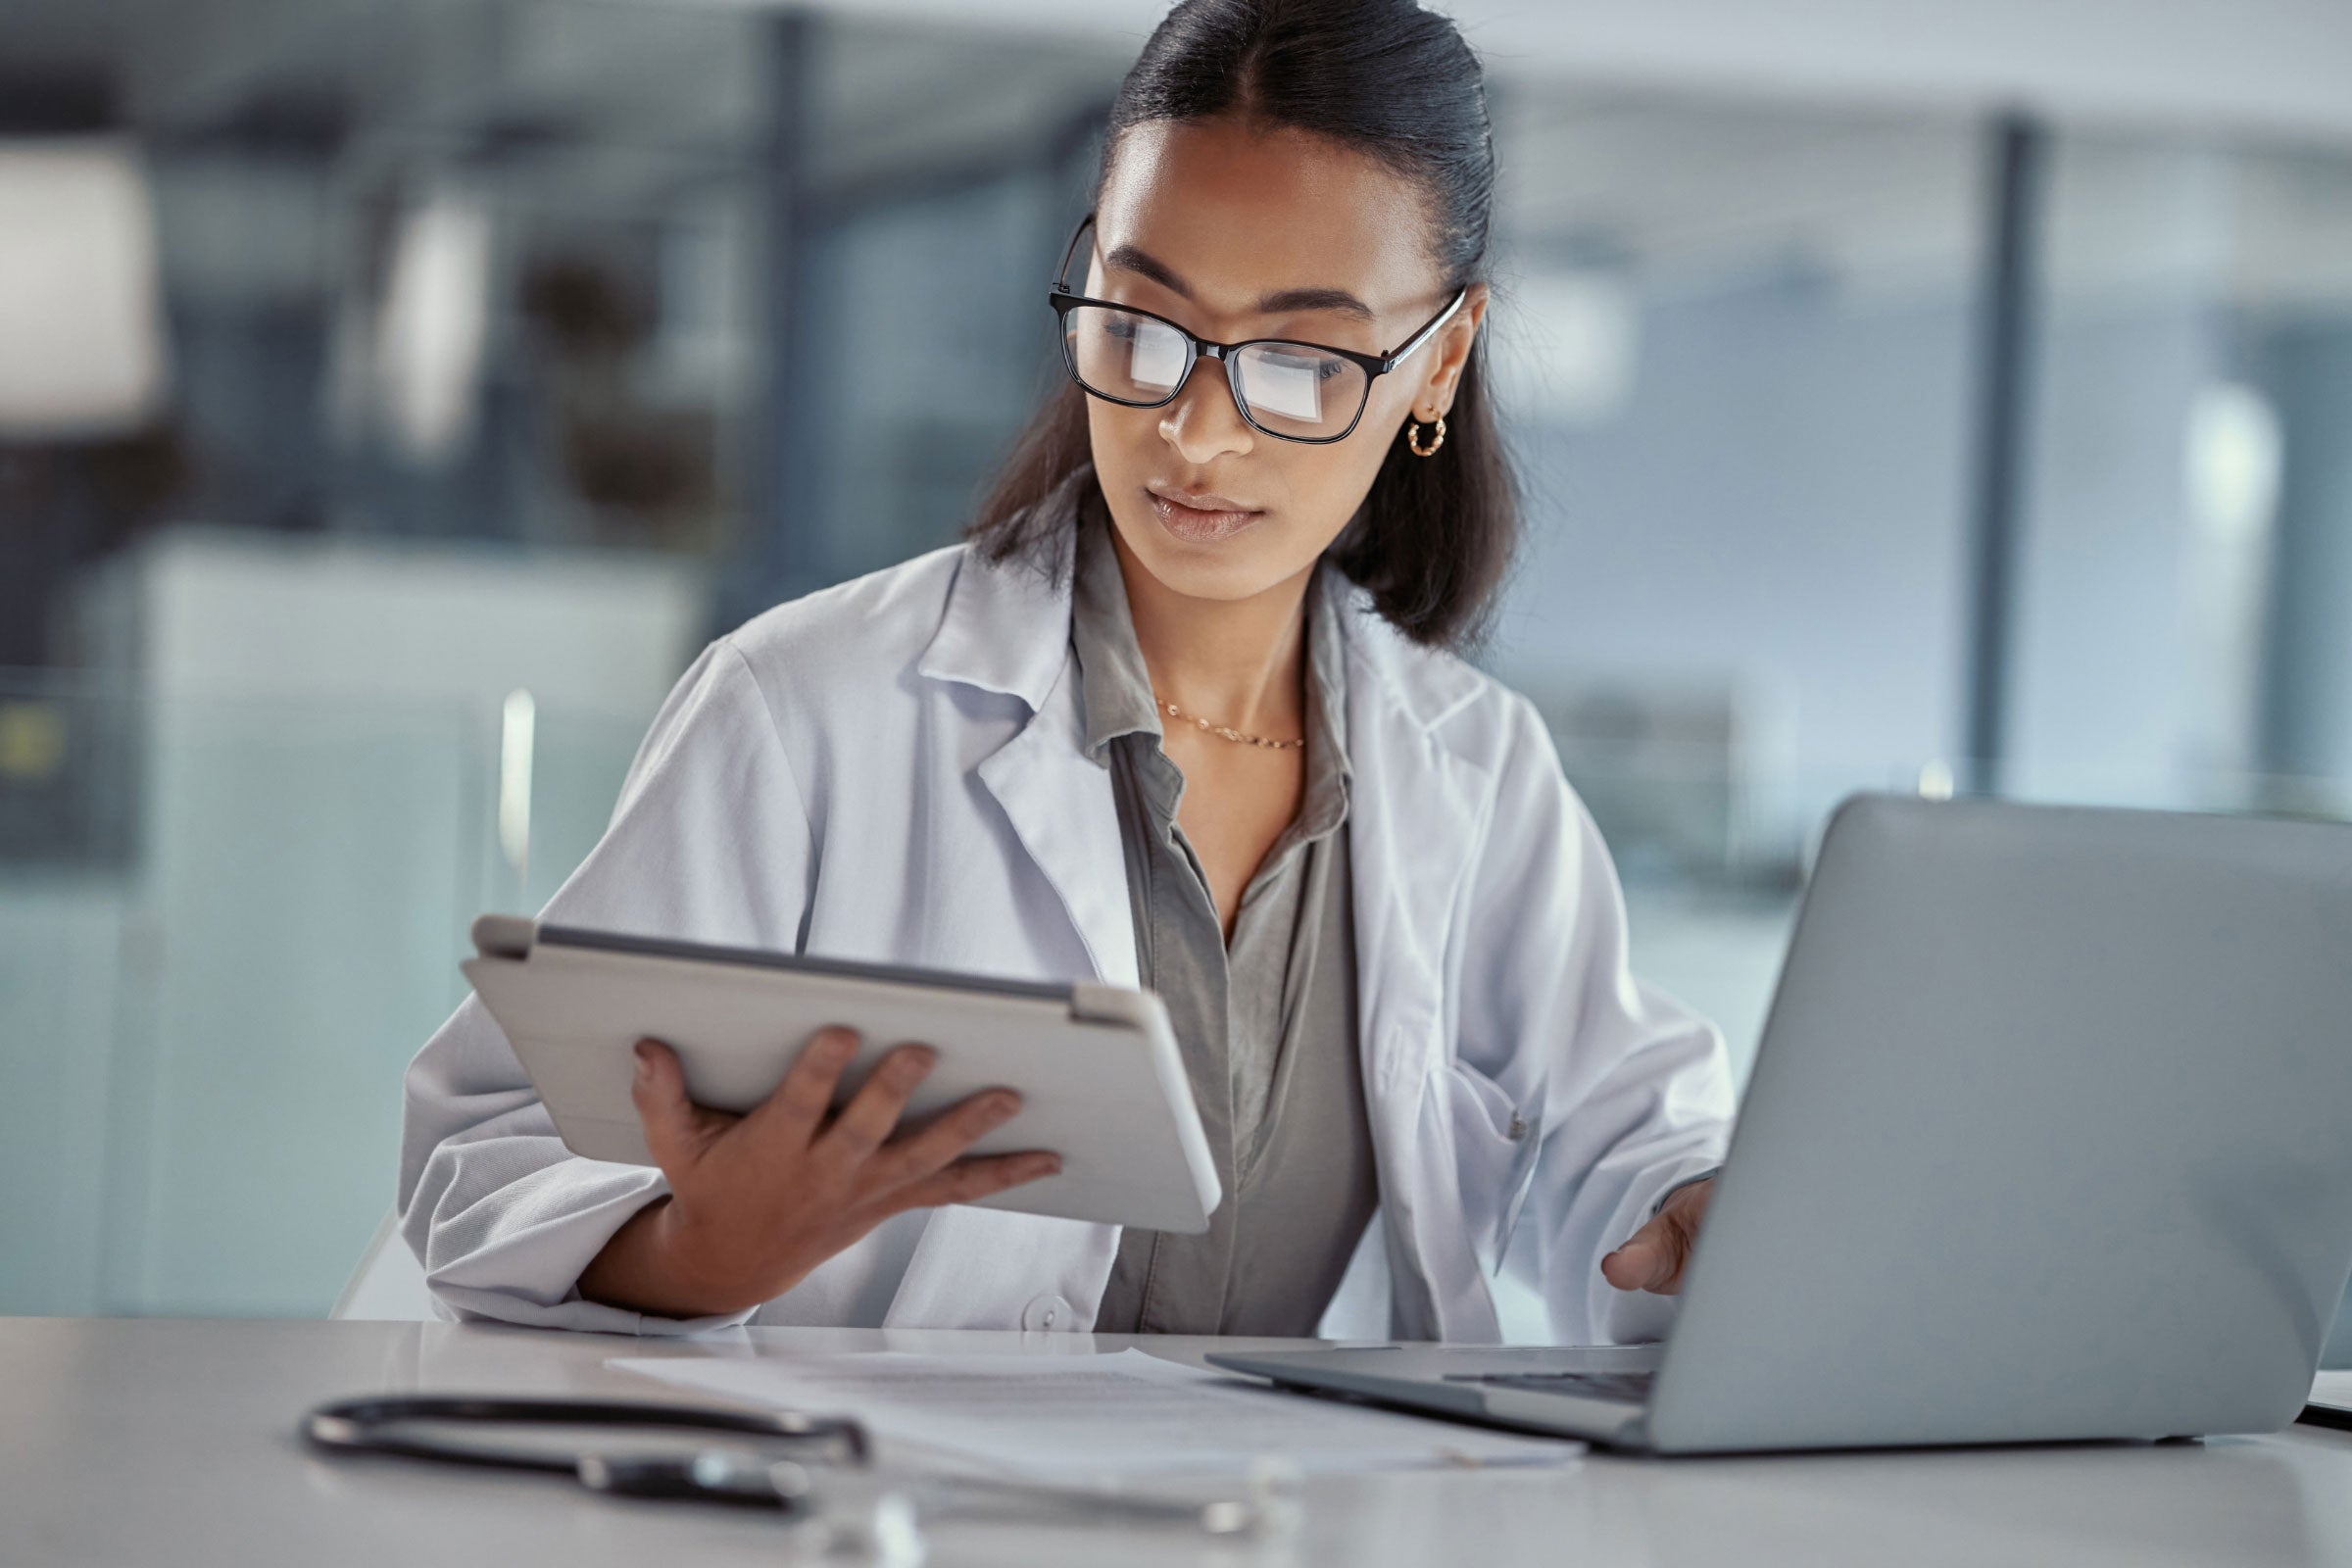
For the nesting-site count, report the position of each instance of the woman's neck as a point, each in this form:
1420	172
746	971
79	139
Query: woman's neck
1237	662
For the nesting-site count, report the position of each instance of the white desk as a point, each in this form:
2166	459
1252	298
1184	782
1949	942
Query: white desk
146	1441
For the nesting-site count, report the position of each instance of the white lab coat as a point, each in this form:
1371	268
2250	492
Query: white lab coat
891	769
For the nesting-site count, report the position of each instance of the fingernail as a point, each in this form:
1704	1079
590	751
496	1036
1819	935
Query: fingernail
1001	1106
1049	1165
915	1061
838	1045
645	1060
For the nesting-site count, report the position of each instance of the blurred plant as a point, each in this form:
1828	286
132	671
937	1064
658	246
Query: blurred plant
646	473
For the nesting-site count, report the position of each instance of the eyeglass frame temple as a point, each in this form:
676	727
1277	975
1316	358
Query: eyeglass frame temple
1377	365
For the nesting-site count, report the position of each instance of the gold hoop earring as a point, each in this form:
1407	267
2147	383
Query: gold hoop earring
1412	437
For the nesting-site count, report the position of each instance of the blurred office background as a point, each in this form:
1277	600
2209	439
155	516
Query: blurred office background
395	394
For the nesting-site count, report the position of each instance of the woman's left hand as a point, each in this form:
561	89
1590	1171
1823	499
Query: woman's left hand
1654	1257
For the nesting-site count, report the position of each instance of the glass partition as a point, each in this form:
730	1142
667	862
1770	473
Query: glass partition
224	928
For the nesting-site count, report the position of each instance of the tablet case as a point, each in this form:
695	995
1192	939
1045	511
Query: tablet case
1096	1066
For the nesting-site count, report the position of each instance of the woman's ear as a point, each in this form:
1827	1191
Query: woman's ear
1453	346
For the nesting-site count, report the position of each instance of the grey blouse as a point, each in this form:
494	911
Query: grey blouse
1268	1026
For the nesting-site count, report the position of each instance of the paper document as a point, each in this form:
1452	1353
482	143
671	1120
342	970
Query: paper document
2333	1389
1108	1416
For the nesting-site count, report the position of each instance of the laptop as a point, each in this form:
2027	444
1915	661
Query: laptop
2049	1137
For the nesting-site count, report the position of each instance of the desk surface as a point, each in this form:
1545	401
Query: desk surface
130	1440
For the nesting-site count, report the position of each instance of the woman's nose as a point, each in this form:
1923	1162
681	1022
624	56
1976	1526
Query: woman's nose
1204	421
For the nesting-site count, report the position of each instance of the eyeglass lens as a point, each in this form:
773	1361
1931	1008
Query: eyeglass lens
1286	389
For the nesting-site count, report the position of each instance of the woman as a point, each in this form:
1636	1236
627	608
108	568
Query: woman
1180	714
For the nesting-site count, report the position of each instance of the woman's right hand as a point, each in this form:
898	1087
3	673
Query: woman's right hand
756	1201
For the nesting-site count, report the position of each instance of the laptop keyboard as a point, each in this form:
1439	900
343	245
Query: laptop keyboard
1624	1388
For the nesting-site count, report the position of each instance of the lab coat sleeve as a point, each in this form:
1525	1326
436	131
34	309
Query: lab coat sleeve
1624	1090
710	841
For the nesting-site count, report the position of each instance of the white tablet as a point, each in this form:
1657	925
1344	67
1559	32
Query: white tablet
1096	1066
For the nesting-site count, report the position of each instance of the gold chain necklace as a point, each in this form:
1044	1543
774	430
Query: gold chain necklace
1173	711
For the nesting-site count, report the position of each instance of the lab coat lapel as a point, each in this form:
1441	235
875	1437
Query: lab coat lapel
1007	629
1414	820
1060	803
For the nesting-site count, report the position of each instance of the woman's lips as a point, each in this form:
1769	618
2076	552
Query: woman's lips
1196	527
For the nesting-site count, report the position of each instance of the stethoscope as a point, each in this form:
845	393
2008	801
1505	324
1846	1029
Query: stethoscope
761	1460
403	1426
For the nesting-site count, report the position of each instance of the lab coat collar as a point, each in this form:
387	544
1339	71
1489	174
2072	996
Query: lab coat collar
1423	685
1007	627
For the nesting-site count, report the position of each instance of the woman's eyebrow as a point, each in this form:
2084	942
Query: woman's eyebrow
1129	258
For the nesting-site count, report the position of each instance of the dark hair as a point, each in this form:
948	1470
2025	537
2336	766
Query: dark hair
1434	535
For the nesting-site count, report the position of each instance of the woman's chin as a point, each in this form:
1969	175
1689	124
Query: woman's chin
1230	568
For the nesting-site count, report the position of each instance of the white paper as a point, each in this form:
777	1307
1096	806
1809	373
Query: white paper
1074	1418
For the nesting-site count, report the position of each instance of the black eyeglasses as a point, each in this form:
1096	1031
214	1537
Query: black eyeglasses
1292	391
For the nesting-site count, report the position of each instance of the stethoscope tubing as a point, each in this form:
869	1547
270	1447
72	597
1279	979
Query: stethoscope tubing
373	1425
370	1425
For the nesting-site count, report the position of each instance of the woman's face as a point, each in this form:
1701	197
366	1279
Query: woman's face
1205	223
